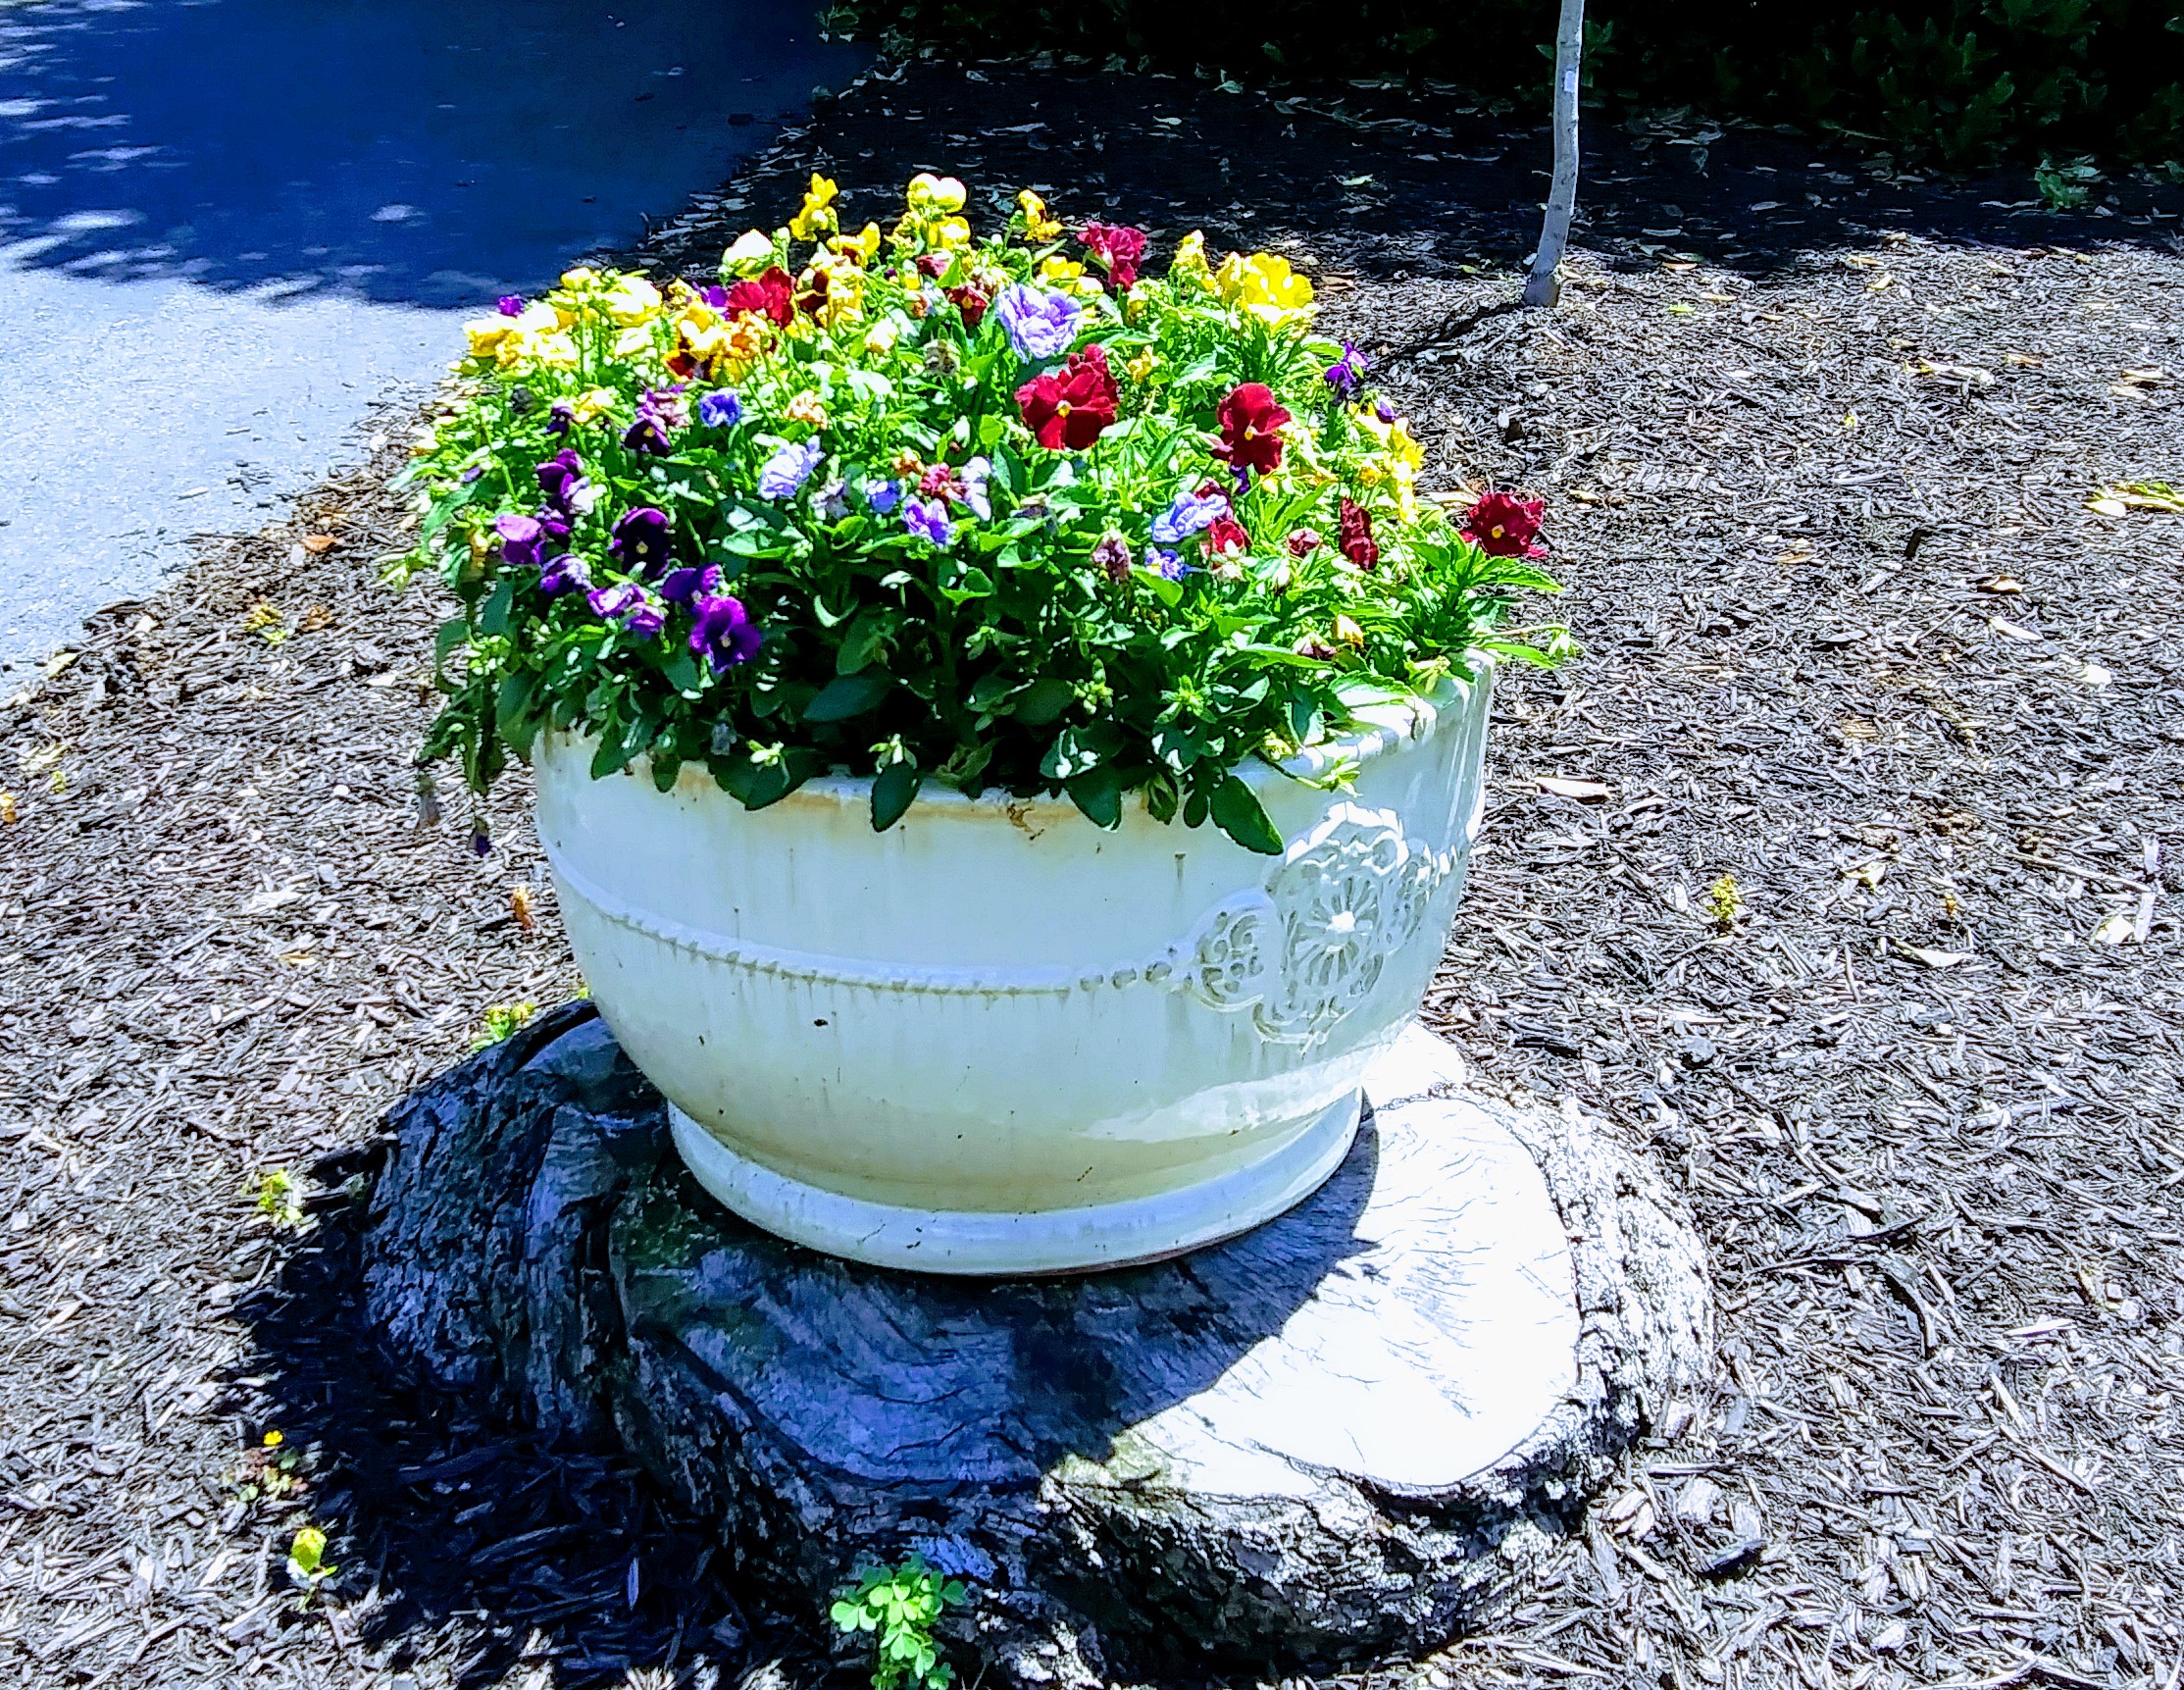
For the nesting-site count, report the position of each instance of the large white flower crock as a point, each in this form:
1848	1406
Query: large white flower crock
996	1038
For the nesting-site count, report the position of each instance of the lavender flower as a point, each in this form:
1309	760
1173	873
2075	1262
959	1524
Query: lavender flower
724	634
564	573
1040	325
1189	515
788	469
976	475
720	409
640	540
929	520
883	497
1345	376
1113	557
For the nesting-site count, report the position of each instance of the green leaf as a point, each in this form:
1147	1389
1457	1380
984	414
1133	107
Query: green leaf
452	632
681	669
493	618
847	695
512	709
1098	794
893	790
1042	701
1236	812
863	643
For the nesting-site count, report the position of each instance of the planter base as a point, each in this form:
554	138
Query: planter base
1345	1435
1059	1240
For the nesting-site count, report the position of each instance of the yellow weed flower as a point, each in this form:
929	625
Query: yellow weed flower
631	300
816	217
930	195
597	402
1264	284
806	408
750	253
1039	228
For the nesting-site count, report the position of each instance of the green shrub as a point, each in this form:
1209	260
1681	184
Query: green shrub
1963	82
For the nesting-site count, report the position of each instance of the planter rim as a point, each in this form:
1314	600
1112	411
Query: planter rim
1380	728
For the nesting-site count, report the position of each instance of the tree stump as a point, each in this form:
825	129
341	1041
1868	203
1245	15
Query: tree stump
1342	1437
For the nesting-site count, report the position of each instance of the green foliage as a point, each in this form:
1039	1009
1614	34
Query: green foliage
278	1200
900	1607
2064	187
1964	81
502	1019
931	585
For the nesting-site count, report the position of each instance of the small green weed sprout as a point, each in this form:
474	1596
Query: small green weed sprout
1725	900
308	1567
278	1200
2065	186
502	1019
901	1605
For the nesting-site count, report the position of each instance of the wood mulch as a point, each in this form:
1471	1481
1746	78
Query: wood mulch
1819	439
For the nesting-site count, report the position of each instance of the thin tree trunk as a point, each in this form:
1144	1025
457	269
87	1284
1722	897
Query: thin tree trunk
1541	287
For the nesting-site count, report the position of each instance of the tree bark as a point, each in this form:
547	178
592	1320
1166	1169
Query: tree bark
1542	286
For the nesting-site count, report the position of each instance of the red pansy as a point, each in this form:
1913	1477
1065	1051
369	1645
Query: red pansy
972	302
1250	428
1357	542
1119	248
769	295
1069	407
1506	524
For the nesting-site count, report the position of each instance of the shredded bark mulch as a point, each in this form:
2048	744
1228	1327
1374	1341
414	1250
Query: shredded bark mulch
1841	870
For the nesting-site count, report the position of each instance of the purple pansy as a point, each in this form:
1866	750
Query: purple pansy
564	573
560	414
788	469
1191	514
724	632
521	538
682	585
927	519
609	602
510	305
976	475
720	410
1386	410
1040	325
558	476
883	497
717	298
1345	376
1164	563
640	540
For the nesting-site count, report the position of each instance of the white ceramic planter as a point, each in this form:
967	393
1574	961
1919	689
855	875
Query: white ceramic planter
996	1038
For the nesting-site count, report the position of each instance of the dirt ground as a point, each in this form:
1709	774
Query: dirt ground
1841	870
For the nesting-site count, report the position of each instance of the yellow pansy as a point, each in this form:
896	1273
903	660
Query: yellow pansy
1037	226
1189	261
634	341
881	337
816	217
1141	367
1264	284
806	408
859	248
750	253
631	300
486	333
930	194
695	318
949	234
597	402
747	340
577	279
553	351
1056	268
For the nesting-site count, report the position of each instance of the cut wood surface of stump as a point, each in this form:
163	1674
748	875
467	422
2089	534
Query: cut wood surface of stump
1343	1437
